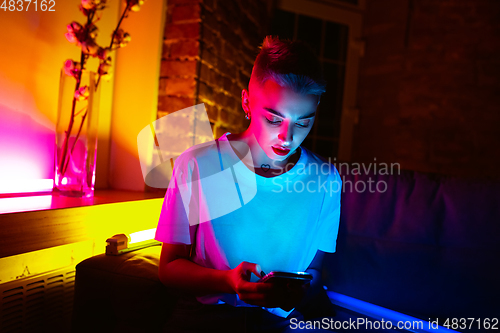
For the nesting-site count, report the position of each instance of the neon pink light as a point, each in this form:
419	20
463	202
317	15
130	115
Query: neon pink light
21	204
25	185
26	153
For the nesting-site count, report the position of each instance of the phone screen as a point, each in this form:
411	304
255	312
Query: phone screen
287	277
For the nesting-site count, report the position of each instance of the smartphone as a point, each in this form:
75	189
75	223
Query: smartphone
299	278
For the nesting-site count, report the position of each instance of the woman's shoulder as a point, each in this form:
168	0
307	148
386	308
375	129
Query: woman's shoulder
202	153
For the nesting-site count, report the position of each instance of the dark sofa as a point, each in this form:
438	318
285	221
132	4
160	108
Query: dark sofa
428	246
120	293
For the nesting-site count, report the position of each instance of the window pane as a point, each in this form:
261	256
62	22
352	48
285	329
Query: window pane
331	39
326	148
330	107
283	24
310	31
335	41
353	2
326	116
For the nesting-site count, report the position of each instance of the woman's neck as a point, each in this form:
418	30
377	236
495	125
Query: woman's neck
262	164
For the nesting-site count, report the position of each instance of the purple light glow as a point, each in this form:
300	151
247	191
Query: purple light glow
26	153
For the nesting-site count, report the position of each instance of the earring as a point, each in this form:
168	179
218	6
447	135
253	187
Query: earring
247	115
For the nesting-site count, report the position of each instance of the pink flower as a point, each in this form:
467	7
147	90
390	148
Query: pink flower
71	38
74	27
92	31
121	38
74	33
83	36
104	70
85	12
90	47
87	40
135	5
102	53
71	67
89	5
82	93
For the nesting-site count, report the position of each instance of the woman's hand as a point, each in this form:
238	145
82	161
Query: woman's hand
270	295
249	292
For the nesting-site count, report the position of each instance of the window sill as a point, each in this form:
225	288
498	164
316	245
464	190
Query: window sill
47	201
32	223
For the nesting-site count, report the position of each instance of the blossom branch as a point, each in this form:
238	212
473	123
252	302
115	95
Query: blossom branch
84	37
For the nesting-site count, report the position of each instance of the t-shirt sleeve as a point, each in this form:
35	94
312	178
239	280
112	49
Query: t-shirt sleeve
330	213
173	225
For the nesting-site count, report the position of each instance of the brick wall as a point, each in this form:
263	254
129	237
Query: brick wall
208	54
428	91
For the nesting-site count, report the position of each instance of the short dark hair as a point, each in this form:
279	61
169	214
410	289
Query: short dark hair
291	64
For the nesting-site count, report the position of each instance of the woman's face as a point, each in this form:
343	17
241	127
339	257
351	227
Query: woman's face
280	118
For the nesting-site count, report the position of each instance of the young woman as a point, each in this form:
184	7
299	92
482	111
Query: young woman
250	203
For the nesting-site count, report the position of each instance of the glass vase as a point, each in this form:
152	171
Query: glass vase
76	135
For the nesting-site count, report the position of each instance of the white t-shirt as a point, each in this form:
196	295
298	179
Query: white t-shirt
232	214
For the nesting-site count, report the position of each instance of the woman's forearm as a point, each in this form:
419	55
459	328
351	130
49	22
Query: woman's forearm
184	276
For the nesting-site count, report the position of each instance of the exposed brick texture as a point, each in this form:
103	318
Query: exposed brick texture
208	53
429	86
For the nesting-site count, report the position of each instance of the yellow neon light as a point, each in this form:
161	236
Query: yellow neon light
143	235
